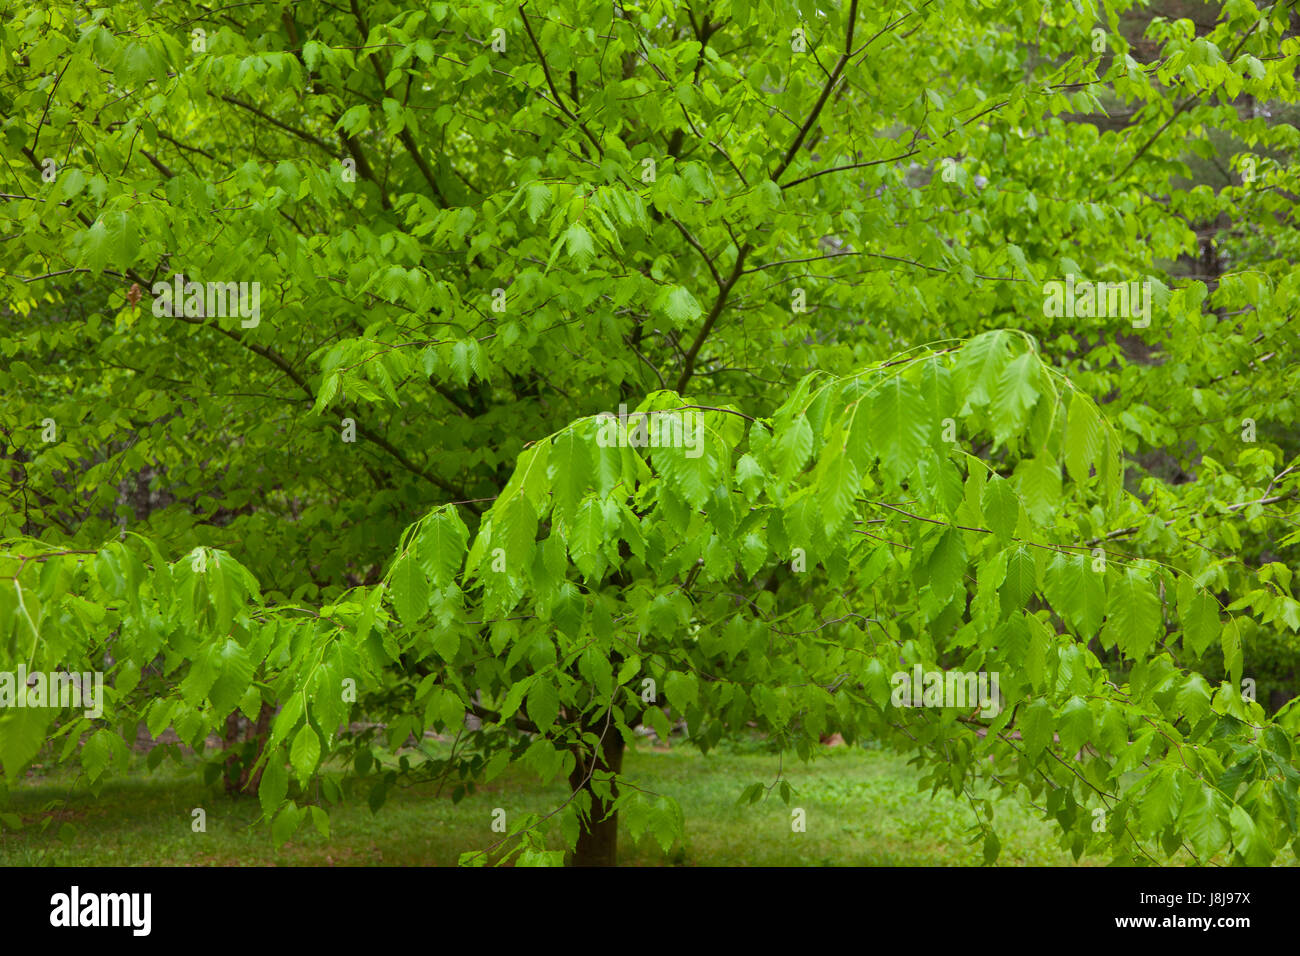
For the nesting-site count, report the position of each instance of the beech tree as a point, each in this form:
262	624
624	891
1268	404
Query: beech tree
927	337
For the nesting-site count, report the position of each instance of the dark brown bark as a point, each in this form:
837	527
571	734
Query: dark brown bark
598	841
245	740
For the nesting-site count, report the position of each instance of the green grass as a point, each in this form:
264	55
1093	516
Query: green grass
863	809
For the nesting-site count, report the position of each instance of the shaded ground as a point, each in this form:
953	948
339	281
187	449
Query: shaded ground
862	807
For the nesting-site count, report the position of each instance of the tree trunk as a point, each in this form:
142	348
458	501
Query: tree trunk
598	841
253	738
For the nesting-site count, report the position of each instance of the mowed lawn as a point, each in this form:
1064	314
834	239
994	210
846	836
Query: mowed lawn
862	808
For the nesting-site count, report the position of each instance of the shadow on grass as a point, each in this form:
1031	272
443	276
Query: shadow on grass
862	808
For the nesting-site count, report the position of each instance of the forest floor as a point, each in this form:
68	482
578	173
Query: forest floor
862	808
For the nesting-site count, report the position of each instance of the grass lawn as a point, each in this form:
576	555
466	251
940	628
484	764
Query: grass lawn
862	805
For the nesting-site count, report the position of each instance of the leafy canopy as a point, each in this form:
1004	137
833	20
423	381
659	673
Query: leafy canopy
823	228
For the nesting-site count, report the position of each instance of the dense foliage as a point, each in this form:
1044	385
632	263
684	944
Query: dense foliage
386	498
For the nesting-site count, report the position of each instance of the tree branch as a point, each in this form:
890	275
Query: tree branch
688	366
831	81
559	102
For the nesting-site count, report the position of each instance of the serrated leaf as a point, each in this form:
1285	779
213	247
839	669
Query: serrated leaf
1017	391
587	537
543	703
515	696
979	366
837	485
1020	580
1198	613
1084	438
234	674
274	786
1077	593
286	822
791	447
1075	725
1203	819
441	547
96	753
1133	617
1039	484
898	426
682	691
538	201
692	477
579	246
570	472
678	306
1247	840
1193	698
1001	508
410	589
304	753
1036	727
946	563
515	530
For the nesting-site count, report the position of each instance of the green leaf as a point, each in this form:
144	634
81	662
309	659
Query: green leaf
992	847
285	824
1084	438
1160	801
1133	618
410	589
898	426
291	711
97	753
234	674
658	722
1039	483
498	763
1203	819
538	201
570	472
678	306
1020	580
750	476
1077	593
1198	613
1193	700
980	364
1075	726
587	538
692	476
160	716
791	448
1230	639
1036	727
515	696
1001	508
1017	391
946	563
838	483
1247	840
682	691
540	858
579	246
274	786
441	548
516	532
304	754
321	820
543	704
